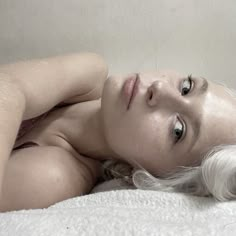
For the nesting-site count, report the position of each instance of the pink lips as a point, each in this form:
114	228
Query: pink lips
130	89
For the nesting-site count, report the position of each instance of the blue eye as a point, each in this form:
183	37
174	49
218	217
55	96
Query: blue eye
186	85
178	130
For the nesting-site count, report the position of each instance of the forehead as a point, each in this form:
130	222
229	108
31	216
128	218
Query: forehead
218	119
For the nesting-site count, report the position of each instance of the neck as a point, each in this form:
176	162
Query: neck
93	143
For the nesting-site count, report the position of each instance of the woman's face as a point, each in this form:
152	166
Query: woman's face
172	121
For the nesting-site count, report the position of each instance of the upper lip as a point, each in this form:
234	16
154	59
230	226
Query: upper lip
134	90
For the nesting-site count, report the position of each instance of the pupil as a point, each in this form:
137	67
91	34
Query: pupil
186	87
178	132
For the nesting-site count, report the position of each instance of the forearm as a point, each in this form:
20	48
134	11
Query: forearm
12	107
48	82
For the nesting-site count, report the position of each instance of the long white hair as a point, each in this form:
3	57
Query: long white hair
216	176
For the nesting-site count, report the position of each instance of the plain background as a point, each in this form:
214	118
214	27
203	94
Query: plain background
190	36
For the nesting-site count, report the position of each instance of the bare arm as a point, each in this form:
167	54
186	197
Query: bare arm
28	89
12	107
48	82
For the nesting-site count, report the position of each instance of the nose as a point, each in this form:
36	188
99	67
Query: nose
162	93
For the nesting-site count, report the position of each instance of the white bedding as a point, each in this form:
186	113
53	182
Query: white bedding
125	212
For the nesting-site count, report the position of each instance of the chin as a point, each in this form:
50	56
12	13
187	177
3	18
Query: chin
111	88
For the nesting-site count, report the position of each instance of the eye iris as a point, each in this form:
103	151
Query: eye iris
178	133
185	91
187	85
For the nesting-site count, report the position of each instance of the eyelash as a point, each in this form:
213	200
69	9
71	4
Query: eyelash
183	93
190	80
176	139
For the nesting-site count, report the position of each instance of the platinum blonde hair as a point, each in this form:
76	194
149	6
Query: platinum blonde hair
216	176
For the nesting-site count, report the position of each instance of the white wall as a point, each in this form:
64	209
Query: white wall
191	36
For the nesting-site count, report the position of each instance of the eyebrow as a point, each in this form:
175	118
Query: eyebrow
198	122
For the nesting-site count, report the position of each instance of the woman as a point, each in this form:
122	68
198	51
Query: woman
157	122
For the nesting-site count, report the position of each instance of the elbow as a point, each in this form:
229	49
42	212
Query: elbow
99	67
89	72
97	75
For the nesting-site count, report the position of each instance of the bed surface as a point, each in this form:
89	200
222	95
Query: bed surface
125	211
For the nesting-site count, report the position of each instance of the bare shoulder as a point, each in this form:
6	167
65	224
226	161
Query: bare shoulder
38	177
54	165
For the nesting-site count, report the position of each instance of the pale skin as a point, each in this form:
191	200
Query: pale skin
98	126
144	135
40	176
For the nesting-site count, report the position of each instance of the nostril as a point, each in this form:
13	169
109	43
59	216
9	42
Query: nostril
150	93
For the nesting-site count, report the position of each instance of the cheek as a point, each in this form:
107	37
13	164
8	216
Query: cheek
135	136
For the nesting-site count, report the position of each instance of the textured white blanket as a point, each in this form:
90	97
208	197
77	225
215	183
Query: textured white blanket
125	212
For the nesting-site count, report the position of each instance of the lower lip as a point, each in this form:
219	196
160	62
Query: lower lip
128	88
